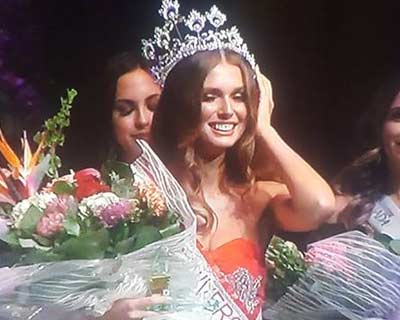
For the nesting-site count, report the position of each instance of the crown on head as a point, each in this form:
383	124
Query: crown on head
202	32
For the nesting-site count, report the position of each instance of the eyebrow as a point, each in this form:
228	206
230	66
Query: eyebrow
154	95
217	91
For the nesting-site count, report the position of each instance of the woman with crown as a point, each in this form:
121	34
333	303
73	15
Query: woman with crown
215	106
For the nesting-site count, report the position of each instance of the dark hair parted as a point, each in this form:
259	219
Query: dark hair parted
176	121
119	65
367	179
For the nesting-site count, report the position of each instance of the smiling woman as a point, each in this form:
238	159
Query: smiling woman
223	109
223	106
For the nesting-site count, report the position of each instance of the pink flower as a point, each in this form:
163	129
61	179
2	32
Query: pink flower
53	218
50	224
115	213
329	254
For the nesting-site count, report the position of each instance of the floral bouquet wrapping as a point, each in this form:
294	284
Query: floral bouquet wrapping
348	276
81	241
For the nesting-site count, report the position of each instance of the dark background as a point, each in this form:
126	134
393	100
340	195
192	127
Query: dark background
325	60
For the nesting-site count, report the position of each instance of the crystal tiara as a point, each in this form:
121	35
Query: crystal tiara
182	37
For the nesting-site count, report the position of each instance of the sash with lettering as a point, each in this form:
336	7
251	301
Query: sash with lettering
385	217
243	301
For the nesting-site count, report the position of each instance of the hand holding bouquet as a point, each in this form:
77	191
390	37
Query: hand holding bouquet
87	239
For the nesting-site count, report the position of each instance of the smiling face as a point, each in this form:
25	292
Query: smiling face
223	109
391	132
136	98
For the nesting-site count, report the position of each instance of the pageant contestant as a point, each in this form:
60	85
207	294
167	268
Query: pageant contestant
356	275
212	108
370	187
133	94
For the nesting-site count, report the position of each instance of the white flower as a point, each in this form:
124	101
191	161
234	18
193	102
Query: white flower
162	38
195	21
216	17
94	204
39	200
169	9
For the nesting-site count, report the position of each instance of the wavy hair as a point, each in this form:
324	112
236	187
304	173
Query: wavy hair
367	179
176	121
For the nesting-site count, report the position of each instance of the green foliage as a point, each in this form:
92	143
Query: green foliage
72	226
146	235
30	220
11	238
395	246
63	187
288	266
120	177
53	131
91	245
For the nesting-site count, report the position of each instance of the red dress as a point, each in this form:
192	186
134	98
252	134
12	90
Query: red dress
239	266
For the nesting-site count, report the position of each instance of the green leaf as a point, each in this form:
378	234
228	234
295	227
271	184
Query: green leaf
171	230
41	240
72	226
384	239
71	93
30	220
11	238
120	232
39	256
63	187
146	235
125	246
122	169
395	246
91	245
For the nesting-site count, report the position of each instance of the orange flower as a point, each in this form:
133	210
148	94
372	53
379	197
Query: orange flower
153	199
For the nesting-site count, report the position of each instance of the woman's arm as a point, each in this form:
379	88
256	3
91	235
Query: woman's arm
307	200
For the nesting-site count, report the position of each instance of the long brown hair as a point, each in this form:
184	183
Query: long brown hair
367	179
177	119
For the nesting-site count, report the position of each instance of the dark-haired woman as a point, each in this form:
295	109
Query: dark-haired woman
370	188
133	95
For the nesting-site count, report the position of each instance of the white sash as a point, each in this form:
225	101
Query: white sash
385	217
209	289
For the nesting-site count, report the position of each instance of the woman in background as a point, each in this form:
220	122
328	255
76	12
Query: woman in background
133	97
369	189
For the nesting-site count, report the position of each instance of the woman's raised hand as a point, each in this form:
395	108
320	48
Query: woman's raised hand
266	104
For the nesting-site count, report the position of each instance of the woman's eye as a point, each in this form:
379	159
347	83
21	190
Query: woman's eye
123	109
152	103
394	114
209	98
239	97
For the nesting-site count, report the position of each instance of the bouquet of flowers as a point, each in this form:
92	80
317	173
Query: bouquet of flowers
86	239
348	276
79	216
